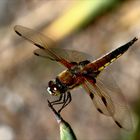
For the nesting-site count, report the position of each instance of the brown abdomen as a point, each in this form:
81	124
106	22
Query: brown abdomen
99	64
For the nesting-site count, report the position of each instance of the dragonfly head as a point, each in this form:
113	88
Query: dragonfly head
53	88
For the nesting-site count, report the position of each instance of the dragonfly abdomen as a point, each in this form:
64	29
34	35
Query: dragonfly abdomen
99	64
112	56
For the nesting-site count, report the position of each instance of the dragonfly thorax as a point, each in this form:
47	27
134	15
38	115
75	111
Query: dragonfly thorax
78	67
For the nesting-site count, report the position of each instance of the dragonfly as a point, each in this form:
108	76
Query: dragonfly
79	71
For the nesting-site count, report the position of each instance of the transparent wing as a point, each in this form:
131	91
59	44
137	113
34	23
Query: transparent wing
33	36
122	114
40	41
101	100
70	55
110	102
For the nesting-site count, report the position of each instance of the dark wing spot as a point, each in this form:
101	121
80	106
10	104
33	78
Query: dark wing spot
39	46
91	95
18	33
99	110
36	54
104	100
118	124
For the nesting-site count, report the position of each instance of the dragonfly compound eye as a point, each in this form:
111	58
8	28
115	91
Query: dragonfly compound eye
52	89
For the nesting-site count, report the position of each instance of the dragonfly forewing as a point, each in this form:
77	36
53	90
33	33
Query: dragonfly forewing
41	41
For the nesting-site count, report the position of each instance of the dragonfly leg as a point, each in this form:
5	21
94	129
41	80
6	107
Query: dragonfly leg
62	97
66	101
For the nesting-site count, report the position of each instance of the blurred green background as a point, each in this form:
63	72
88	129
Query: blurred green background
91	26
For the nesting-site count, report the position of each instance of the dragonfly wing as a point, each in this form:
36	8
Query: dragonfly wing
110	102
44	54
101	100
70	55
33	36
40	41
122	114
